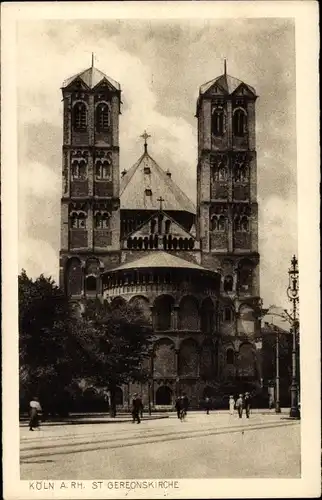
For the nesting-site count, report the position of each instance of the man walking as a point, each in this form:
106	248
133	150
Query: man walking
137	407
247	403
207	405
239	405
178	406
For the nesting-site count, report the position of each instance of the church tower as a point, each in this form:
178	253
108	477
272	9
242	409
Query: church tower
90	203
227	210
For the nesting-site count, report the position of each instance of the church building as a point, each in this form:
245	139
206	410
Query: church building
136	236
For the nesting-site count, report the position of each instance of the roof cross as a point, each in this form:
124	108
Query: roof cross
145	136
160	200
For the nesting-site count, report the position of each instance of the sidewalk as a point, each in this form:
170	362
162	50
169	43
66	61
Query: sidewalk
123	417
91	418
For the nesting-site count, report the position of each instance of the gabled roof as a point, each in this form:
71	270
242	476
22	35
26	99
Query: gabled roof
91	77
159	260
228	83
140	190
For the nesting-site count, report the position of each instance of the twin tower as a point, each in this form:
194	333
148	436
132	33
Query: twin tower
225	223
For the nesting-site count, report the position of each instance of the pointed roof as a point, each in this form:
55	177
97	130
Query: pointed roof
146	182
228	83
160	259
92	77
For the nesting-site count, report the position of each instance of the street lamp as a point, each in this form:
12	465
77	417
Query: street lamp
293	295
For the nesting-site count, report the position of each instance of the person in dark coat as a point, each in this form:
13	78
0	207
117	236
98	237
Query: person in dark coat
35	409
185	403
239	405
247	403
207	405
137	408
178	406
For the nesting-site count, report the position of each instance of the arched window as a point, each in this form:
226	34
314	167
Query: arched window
228	314
244	224
164	358
188	314
222	223
239	122
167	226
230	356
78	220
74	277
91	284
228	284
103	170
153	226
214	223
237	223
217	121
102	220
188	358
245	278
79	116
163	312
102	117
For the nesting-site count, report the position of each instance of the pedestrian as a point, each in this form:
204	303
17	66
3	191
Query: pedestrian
35	409
239	405
185	403
178	406
142	407
247	403
136	408
207	405
231	405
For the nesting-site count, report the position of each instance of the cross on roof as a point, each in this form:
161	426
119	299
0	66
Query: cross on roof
145	136
160	200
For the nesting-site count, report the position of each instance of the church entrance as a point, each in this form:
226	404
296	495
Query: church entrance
163	396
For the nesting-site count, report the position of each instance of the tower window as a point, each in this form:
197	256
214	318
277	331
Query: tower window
239	122
241	224
147	170
218	223
80	116
79	170
102	117
217	122
227	314
228	284
103	170
102	220
167	226
230	357
148	192
78	220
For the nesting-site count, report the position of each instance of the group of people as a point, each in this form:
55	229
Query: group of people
242	403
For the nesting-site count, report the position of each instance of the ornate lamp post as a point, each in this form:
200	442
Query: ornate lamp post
293	295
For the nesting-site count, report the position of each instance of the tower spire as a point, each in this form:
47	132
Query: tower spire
225	67
92	59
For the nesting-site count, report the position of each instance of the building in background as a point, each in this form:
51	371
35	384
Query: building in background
135	236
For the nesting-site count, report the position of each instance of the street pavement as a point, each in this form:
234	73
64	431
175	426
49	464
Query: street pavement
218	445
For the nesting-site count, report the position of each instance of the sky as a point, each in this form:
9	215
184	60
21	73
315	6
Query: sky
160	66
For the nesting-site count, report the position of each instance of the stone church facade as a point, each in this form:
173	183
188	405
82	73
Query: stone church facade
135	236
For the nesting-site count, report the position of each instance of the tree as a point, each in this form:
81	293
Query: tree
48	352
117	343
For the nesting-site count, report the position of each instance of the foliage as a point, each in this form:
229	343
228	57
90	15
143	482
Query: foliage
116	340
106	346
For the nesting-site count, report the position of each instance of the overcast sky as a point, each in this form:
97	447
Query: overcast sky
160	66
